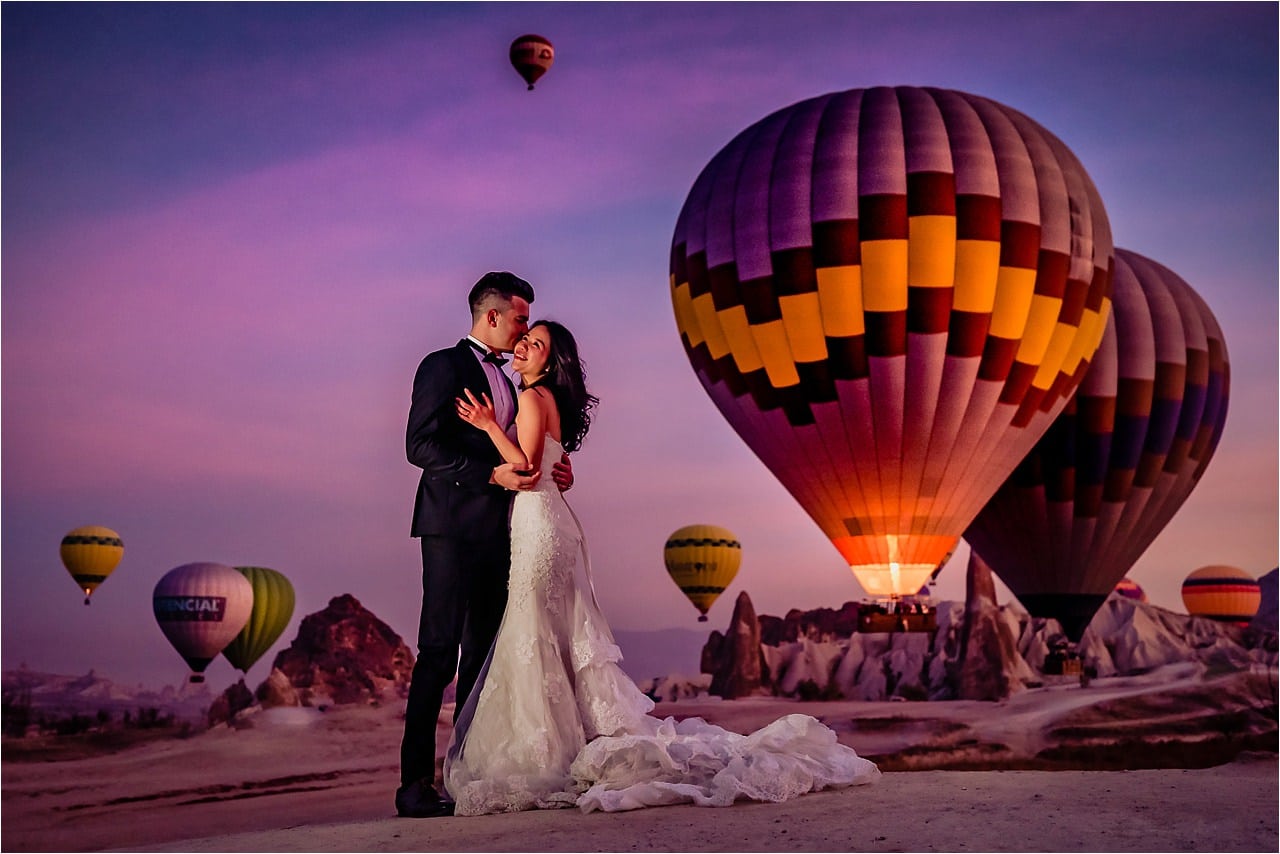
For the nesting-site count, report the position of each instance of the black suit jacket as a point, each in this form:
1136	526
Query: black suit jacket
457	460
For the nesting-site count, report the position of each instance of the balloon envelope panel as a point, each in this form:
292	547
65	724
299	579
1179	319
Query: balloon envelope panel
889	294
1124	455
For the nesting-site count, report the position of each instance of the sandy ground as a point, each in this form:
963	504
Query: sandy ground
301	780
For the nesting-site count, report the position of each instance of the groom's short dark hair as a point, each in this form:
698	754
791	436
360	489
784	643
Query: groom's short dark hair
503	284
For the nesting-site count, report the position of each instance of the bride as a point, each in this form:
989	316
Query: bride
555	722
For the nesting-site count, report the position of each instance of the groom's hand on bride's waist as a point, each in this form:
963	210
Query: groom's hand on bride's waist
562	473
508	477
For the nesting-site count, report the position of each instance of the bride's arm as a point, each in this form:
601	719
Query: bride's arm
531	424
480	414
531	430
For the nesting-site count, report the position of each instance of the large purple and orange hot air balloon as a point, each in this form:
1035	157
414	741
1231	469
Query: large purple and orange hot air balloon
1120	460
890	293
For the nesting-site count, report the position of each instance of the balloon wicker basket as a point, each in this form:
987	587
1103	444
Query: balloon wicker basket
1060	662
875	617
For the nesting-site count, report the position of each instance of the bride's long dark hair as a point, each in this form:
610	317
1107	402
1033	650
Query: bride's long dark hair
567	379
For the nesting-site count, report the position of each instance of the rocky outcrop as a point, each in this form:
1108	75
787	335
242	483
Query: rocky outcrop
1266	619
345	654
988	666
277	690
738	673
1002	651
820	624
672	689
230	703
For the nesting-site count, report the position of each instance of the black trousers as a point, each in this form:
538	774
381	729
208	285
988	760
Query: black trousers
464	592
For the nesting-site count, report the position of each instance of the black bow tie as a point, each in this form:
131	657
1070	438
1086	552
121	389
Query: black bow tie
489	356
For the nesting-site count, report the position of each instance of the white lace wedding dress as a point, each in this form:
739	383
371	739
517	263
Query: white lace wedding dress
554	721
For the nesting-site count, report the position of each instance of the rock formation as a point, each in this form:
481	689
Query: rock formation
1002	652
344	654
820	624
988	663
230	702
737	673
672	689
277	690
1266	618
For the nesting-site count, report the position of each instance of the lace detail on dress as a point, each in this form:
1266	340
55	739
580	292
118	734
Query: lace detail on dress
555	687
592	647
541	559
524	649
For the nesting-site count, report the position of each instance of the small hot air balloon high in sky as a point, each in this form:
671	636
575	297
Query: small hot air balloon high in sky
890	294
1227	594
90	554
1119	462
531	56
273	601
702	560
201	607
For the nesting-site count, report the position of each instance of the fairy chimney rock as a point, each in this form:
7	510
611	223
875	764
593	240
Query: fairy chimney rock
738	670
988	652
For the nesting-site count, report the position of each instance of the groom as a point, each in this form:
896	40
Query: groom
461	517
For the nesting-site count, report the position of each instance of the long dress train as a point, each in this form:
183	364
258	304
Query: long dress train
555	722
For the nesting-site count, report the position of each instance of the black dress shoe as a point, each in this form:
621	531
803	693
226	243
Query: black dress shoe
420	799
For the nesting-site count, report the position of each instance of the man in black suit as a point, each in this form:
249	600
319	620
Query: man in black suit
461	516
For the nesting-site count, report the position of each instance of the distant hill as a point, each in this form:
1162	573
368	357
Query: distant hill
662	652
57	695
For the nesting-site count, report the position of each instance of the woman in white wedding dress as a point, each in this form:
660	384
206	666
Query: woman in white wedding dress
554	721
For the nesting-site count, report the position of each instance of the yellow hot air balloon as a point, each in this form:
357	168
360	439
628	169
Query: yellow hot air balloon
90	554
273	601
1227	594
702	560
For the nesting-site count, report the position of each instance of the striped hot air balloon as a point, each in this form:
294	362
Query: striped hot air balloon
702	560
201	607
273	601
889	294
1224	593
90	554
1120	460
1130	589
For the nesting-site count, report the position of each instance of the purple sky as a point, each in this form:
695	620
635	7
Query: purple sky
230	232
